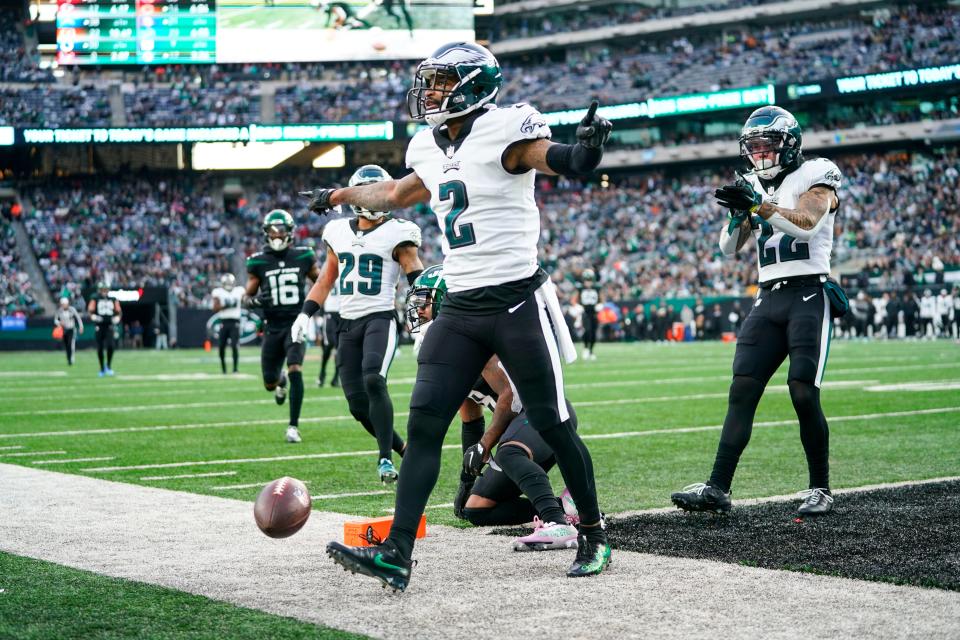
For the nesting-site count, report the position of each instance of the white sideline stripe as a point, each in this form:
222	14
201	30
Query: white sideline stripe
795	496
767	423
780	388
212	474
232	403
940	385
595	436
32	453
177	427
32	374
16	446
249	485
358	494
98	459
242	423
205	463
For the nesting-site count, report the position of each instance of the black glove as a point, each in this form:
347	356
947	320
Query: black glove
739	197
319	200
473	460
260	301
593	131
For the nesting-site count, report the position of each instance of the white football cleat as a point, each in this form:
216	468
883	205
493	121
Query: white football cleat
293	434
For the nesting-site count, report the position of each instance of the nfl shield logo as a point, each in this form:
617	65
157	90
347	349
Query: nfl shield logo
450	151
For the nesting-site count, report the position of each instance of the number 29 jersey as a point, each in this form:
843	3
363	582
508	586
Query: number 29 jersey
488	216
780	255
283	276
368	270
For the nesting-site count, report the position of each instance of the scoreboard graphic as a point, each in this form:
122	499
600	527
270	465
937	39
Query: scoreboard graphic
136	31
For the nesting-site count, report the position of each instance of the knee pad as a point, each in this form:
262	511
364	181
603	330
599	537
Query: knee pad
375	384
422	426
746	391
804	394
359	405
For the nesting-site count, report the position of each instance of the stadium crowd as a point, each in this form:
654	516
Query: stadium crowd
911	35
129	232
16	295
648	236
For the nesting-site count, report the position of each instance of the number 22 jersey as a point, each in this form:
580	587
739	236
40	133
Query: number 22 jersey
780	255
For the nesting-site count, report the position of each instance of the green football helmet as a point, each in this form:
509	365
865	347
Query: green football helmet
425	297
771	129
465	76
368	174
278	227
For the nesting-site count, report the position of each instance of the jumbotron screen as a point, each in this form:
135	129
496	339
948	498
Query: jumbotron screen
138	32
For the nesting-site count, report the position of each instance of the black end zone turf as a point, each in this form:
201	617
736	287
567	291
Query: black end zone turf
907	535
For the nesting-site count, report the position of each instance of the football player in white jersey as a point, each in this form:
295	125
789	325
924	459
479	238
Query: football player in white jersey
228	302
368	253
788	204
475	167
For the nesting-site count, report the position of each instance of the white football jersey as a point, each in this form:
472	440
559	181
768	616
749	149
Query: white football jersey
230	301
488	217
332	303
368	270
780	255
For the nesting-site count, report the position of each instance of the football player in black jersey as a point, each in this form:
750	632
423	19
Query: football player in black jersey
275	286
589	299
105	314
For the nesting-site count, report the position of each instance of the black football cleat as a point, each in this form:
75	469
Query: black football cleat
702	497
382	562
816	502
593	556
463	494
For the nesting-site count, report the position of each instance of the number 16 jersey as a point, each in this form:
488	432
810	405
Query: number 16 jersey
368	270
487	215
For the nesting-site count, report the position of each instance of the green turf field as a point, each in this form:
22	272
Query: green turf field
650	413
91	606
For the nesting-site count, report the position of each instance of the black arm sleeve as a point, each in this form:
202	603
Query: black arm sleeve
413	275
573	160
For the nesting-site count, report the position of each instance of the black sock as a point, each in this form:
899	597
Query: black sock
223	358
100	358
421	468
814	433
381	411
745	393
470	434
236	358
327	350
516	511
532	480
576	466
109	357
296	396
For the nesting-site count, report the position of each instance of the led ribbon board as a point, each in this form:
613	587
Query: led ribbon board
347	132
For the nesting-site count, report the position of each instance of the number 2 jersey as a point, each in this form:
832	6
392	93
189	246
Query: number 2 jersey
780	255
368	270
488	217
283	276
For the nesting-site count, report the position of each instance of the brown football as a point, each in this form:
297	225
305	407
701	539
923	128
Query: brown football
282	507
